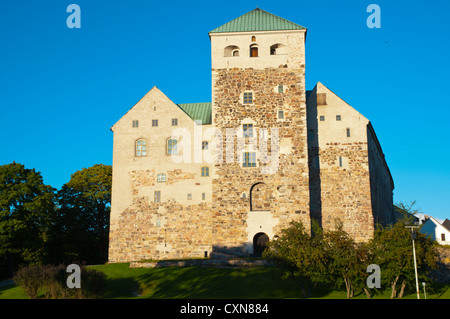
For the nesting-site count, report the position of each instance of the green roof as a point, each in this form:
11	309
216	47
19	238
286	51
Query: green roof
258	20
198	111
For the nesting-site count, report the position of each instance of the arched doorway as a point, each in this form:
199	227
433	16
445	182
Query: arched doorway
260	241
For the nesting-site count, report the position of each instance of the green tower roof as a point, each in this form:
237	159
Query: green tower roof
258	20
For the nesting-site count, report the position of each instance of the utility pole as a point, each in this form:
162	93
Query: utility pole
414	255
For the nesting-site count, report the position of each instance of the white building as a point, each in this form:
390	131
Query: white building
440	232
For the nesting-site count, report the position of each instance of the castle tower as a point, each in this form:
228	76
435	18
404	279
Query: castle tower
260	182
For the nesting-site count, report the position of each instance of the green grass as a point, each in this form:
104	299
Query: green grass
207	282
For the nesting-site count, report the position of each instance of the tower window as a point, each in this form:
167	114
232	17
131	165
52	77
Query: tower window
157	196
231	50
280	88
322	118
205	171
174	122
248	98
280	114
277	49
338	117
189	196
247	130
141	147
172	147
203	196
236	53
340	161
161	178
348	132
253	38
253	51
249	159
154	122
135	123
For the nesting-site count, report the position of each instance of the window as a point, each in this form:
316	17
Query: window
204	145
172	147
249	159
443	237
141	147
310	135
174	122
189	196
247	130
348	132
278	49
253	38
154	122
231	50
321	99
161	178
205	171
157	196
340	161
322	118
248	97
135	123
280	88
338	117
203	196
253	51
280	114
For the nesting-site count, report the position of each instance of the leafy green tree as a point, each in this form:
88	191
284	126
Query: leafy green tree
392	247
26	209
80	231
300	256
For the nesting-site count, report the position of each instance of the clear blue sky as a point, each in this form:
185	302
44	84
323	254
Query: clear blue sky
62	89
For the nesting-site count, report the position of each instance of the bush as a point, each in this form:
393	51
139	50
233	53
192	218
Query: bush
51	281
31	280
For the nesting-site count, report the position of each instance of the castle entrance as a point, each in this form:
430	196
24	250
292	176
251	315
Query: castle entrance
260	242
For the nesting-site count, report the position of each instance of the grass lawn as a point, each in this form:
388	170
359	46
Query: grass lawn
206	282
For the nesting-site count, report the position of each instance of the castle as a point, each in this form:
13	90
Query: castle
227	175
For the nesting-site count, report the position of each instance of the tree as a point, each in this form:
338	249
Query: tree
392	247
80	231
300	256
26	209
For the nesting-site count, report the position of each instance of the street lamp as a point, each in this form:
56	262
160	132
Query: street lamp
413	235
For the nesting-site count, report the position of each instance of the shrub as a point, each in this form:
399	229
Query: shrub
31	280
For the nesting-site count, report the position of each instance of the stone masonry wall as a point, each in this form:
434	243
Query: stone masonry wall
288	185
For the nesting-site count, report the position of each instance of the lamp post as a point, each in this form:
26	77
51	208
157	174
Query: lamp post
414	255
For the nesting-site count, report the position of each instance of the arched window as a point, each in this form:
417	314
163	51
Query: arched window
231	50
141	147
260	197
253	38
254	51
161	178
172	146
277	49
205	171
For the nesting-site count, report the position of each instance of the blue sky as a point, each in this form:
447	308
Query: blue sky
62	89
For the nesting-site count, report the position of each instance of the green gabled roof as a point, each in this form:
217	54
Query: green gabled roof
198	111
258	20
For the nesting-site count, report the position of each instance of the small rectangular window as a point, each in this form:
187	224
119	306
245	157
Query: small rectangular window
247	130
280	88
322	118
338	117
348	132
154	122
248	97
157	196
280	114
340	161
174	122
310	135
135	123
203	196
189	196
205	171
249	159
443	237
